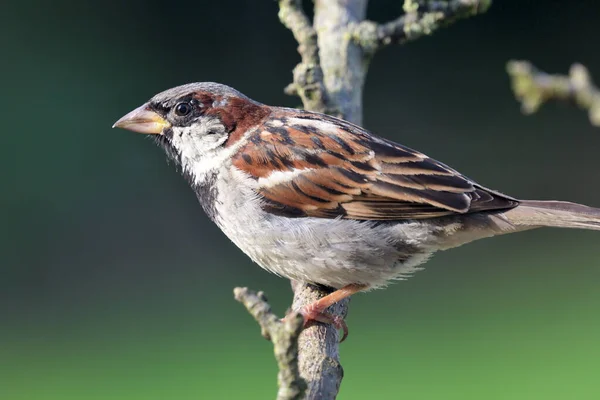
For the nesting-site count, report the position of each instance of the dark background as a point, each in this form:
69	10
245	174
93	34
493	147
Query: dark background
114	285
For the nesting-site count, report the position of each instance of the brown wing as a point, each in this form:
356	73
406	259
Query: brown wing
318	166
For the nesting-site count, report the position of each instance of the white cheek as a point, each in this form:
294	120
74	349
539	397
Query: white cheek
197	146
202	147
198	140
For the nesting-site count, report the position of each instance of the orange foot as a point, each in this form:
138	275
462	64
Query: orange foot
316	311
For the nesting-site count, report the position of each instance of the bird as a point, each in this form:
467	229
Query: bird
316	199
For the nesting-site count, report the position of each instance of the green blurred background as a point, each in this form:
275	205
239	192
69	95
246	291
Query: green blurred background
114	285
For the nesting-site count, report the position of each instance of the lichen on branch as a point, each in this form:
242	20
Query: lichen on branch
283	335
533	88
420	18
308	75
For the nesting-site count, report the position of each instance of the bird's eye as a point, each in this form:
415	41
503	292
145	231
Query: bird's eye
182	109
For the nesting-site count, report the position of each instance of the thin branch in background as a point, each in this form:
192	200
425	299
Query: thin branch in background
533	88
419	19
283	335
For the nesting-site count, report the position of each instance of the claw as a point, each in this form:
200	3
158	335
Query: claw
316	310
311	314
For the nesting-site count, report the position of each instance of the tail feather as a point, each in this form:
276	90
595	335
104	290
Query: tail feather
558	214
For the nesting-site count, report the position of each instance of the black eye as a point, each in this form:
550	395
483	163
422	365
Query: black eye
182	109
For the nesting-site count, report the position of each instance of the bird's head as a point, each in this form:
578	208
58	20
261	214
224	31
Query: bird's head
197	122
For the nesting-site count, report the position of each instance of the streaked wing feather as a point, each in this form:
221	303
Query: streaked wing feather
337	169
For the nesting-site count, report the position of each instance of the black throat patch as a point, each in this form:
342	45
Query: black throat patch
205	192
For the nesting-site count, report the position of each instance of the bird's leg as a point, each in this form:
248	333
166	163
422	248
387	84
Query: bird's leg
315	311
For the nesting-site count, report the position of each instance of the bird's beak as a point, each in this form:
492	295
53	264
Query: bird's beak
143	120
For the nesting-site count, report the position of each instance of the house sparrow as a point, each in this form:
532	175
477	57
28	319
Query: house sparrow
317	199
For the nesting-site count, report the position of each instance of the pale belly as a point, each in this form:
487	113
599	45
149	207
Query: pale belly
337	252
331	252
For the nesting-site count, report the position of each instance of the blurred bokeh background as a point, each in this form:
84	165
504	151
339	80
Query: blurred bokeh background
114	285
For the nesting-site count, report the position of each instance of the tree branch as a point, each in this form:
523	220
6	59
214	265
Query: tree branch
342	60
284	336
308	76
533	88
319	358
418	20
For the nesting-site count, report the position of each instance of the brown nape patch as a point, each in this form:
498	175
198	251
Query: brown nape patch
238	115
206	99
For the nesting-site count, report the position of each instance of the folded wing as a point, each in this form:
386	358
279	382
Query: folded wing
308	165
